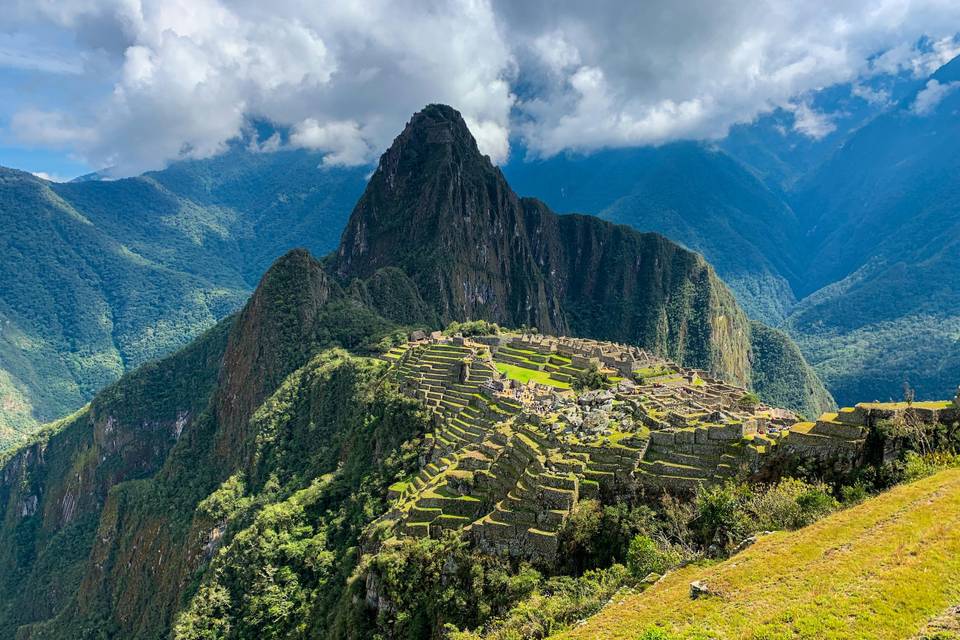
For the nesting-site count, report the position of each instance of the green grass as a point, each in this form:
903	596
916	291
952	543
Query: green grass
653	372
934	404
880	570
526	375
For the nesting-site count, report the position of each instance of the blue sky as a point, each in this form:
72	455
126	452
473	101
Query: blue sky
107	84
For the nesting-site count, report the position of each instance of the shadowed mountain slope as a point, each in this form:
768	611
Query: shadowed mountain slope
440	212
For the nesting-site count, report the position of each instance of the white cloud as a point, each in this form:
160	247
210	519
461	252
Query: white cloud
343	142
189	75
43	175
344	76
873	96
50	128
919	59
810	122
18	51
930	96
632	74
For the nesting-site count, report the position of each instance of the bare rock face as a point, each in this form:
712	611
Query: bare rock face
440	211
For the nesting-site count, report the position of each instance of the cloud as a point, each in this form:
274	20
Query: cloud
624	74
345	77
50	128
22	52
810	122
872	96
188	76
43	175
343	141
920	58
930	96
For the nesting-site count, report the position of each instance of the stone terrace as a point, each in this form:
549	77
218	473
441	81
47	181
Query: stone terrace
515	448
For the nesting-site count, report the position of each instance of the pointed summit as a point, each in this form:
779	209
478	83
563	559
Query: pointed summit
440	211
432	184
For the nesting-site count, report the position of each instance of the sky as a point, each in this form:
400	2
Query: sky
128	86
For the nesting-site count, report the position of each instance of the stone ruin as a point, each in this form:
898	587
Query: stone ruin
514	447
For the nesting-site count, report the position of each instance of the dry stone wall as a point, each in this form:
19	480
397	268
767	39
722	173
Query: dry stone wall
515	447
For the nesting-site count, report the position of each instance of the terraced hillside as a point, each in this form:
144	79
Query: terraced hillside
519	438
886	569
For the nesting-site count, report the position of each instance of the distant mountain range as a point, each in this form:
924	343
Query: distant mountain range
101	276
846	241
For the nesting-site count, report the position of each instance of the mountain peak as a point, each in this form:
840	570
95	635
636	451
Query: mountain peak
439	124
437	135
433	192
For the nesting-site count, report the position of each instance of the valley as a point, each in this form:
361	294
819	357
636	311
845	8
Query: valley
362	450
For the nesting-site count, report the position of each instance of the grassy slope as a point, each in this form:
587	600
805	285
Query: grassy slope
882	569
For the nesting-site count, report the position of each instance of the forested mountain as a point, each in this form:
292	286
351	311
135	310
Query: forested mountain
846	240
883	220
254	460
102	276
692	193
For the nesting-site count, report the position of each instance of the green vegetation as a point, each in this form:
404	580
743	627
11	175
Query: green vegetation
472	328
646	556
524	375
887	565
781	377
100	277
292	532
590	378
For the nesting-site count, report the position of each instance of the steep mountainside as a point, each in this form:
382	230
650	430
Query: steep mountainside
101	514
102	276
440	212
884	218
233	487
692	193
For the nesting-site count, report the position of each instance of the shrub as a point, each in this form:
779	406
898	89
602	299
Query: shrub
853	494
790	504
590	378
646	556
472	328
749	400
721	518
916	466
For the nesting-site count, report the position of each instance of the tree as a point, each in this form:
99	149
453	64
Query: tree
589	378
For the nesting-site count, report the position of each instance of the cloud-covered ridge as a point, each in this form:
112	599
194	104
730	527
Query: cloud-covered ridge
181	78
